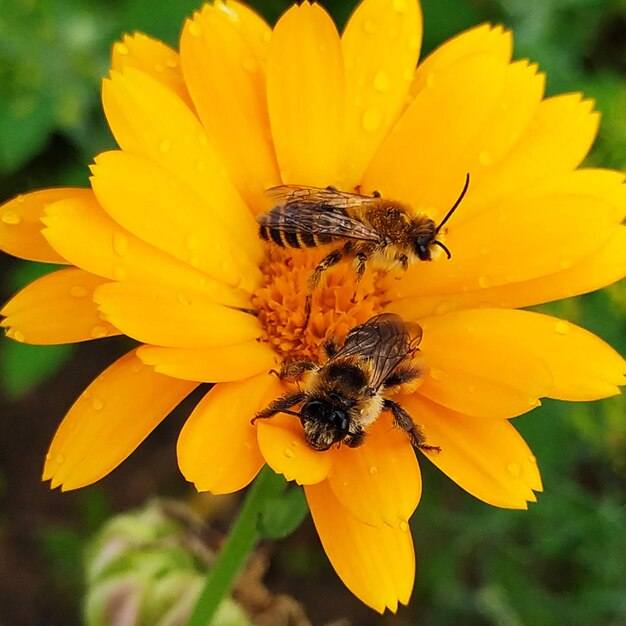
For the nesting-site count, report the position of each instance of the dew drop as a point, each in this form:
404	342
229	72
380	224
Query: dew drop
120	243
485	158
18	335
11	218
445	306
159	68
382	82
532	459
371	120
404	527
119	273
471	388
48	457
373	470
565	264
98	332
171	63
289	453
194	261
195	30
60	459
137	367
514	469
562	327
484	281
436	373
184	299
78	291
97	404
370	27
121	48
165	145
413	43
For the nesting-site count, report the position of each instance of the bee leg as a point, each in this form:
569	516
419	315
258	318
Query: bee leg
280	405
361	259
354	440
402	419
331	347
293	372
400	377
327	262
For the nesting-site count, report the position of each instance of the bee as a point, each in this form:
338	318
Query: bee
346	394
364	228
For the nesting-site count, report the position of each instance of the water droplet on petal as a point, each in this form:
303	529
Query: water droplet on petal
472	388
445	306
372	119
373	470
18	335
171	63
195	30
249	64
413	43
78	291
159	68
137	367
532	459
370	27
436	373
289	453
485	158
120	243
48	457
184	299
11	218
565	264
60	459
382	82
485	281
121	48
562	327
97	404
404	527
165	145
194	261
514	469
98	332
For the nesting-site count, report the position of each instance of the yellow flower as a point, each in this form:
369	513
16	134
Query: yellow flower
164	248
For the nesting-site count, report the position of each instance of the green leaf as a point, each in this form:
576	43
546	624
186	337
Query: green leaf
282	514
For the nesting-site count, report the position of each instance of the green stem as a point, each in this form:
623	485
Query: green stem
242	539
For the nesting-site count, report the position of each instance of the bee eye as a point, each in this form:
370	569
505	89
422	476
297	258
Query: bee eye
339	420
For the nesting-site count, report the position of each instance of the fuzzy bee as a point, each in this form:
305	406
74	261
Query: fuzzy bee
362	228
346	394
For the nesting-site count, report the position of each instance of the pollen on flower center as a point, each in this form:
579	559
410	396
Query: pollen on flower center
338	305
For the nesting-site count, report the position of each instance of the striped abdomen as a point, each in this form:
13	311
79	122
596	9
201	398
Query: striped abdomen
282	226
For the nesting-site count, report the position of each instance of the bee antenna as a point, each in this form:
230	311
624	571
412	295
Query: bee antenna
438	243
452	210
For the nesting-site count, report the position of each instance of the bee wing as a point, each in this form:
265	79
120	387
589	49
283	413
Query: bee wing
384	341
317	212
319	197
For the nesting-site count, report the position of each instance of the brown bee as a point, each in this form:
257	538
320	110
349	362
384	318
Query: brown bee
370	228
346	394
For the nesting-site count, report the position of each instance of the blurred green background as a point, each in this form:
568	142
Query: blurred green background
562	562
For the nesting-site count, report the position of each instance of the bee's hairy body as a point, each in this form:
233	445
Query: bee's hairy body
342	397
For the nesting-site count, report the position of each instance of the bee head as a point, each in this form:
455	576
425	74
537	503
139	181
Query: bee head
422	238
324	423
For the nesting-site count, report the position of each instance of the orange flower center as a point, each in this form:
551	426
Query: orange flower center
338	305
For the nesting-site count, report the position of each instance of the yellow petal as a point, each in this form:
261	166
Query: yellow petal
152	57
419	161
481	39
557	140
226	81
150	121
583	367
377	564
305	95
157	208
381	44
84	234
57	308
217	448
542	230
109	420
284	448
20	224
478	372
211	364
166	317
602	268
487	458
380	481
